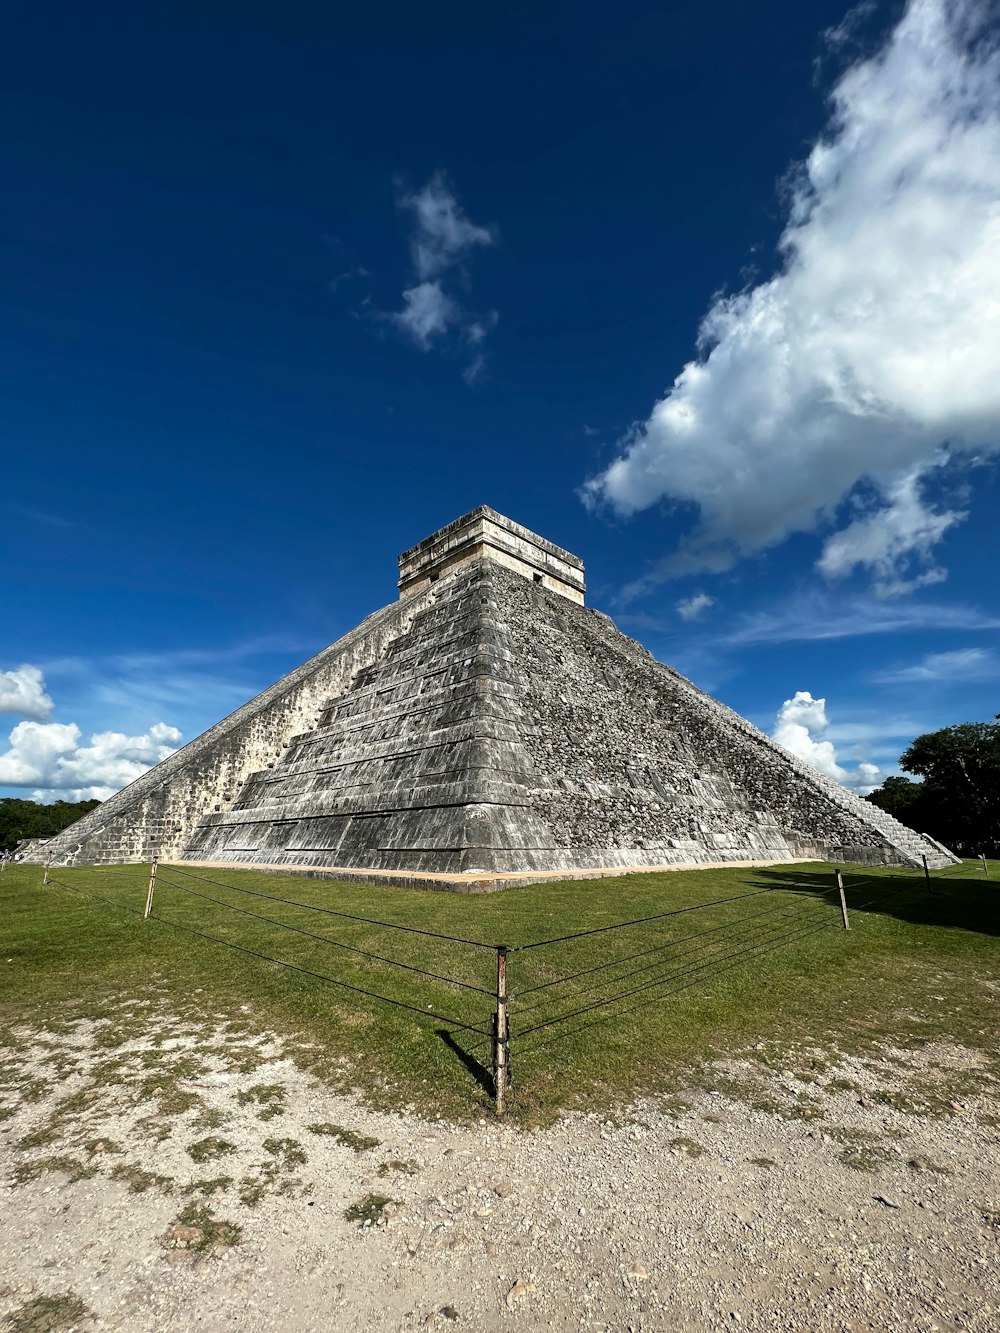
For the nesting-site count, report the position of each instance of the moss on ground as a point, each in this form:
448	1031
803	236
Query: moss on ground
349	1138
48	1314
139	1180
368	1210
199	1230
206	1150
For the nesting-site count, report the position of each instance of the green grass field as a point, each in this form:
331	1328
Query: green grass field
772	973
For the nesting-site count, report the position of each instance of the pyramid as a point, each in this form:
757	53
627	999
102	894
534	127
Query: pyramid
486	724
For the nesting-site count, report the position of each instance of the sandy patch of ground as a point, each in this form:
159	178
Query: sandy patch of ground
156	1174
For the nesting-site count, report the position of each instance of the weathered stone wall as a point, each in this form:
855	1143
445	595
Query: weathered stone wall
506	729
631	751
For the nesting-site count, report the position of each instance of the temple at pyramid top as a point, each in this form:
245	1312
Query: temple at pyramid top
484	532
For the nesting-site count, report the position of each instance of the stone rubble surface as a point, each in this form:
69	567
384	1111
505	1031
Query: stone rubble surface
711	1214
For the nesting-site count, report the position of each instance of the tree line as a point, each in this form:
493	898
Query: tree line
958	799
29	819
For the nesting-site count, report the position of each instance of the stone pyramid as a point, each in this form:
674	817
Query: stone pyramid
486	724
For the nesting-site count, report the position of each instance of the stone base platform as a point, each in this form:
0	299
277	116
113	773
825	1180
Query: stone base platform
475	882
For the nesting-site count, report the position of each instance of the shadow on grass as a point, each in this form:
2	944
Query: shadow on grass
482	1075
958	899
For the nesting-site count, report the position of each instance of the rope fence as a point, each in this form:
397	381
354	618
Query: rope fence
547	1010
329	911
324	939
697	976
704	951
159	880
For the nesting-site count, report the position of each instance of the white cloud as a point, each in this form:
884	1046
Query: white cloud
22	692
442	235
878	736
473	372
962	664
890	540
348	275
691	608
875	344
49	756
800	727
799	723
428	312
478	330
443	238
47	519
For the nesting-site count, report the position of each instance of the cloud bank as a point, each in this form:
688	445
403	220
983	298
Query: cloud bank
51	757
818	619
869	361
443	239
799	727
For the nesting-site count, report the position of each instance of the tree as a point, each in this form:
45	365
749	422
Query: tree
897	797
30	819
958	801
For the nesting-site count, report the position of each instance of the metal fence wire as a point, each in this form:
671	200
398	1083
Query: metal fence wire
543	1011
161	877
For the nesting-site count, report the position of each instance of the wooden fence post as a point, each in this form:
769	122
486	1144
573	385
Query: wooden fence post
501	1054
843	900
152	886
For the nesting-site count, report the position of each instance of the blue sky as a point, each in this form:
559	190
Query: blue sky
708	295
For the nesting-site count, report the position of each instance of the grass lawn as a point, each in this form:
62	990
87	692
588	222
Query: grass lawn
772	973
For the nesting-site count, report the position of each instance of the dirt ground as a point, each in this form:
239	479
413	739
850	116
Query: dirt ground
202	1180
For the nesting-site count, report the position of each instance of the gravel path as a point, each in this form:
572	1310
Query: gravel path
202	1182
